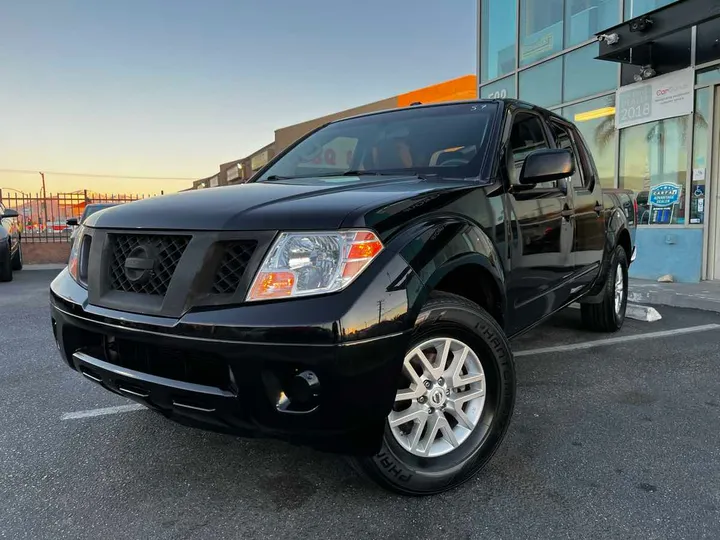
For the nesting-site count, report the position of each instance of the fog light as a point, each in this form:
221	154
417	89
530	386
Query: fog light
304	387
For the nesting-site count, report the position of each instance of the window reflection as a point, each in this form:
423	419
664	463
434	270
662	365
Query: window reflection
595	120
504	88
653	163
498	39
634	8
706	46
541	29
542	85
584	18
700	156
585	76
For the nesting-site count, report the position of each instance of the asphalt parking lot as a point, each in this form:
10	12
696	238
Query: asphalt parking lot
619	440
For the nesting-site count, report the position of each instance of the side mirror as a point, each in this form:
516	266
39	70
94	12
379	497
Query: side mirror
72	222
547	166
9	213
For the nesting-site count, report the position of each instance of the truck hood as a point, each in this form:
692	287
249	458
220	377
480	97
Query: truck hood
302	204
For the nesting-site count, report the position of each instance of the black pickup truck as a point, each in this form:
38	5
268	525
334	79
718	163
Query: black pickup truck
358	294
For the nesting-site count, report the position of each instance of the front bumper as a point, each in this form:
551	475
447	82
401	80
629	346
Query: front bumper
216	376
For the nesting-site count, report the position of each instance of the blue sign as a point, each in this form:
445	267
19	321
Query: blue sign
664	195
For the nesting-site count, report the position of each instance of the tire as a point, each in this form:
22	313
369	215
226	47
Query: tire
487	373
6	273
17	259
609	316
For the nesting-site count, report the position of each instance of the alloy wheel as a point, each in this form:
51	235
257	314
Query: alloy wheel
442	399
619	288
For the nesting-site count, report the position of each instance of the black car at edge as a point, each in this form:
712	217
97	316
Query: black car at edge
11	257
358	294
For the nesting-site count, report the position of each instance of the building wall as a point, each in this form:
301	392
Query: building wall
543	52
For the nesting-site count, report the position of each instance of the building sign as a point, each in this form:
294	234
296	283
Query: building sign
664	195
662	200
666	96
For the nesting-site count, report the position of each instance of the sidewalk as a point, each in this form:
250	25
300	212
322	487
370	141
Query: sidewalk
704	295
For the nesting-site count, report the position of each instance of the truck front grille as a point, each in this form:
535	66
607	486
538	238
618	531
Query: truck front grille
232	266
163	252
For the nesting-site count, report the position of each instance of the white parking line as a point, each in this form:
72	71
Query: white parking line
102	412
622	339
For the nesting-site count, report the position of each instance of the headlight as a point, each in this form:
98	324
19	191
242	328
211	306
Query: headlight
74	260
302	264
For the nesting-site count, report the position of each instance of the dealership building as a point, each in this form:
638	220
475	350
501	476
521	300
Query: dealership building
641	80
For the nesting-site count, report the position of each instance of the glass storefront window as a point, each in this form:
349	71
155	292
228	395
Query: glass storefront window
706	46
584	18
596	121
634	8
700	156
585	76
653	163
708	76
542	85
499	89
497	46
541	29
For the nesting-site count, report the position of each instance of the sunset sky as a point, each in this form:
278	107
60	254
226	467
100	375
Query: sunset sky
172	88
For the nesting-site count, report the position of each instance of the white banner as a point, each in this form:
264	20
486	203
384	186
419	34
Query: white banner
665	96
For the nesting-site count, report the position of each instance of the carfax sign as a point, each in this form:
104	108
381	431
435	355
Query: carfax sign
664	195
666	96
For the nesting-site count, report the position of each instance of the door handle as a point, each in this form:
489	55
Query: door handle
567	212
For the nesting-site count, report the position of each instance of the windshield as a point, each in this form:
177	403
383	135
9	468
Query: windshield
445	140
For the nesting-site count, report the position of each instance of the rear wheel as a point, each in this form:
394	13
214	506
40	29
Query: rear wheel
454	401
17	259
609	314
5	263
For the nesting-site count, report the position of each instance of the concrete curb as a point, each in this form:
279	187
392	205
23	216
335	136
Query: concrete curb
32	267
672	298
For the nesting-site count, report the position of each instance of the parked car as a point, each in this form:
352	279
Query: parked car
363	308
11	257
90	209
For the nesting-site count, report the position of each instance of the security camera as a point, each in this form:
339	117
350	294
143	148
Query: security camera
641	24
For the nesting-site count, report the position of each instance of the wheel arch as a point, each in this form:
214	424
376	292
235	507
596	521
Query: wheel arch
458	257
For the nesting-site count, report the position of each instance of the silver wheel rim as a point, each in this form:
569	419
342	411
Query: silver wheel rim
619	288
444	398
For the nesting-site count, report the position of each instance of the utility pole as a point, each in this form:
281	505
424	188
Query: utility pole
44	194
380	305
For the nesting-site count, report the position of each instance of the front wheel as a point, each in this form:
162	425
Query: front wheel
454	401
609	314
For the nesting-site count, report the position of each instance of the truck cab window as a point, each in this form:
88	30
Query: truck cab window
527	135
563	140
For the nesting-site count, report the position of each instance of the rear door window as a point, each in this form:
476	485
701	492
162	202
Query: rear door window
564	140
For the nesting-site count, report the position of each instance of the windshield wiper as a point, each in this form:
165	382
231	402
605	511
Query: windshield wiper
276	177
